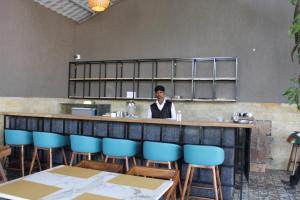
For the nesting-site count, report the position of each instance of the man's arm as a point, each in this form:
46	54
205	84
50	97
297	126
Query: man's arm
173	111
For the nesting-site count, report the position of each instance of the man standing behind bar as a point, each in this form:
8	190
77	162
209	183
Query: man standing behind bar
162	108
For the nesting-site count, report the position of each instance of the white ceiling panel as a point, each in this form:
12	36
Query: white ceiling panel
77	10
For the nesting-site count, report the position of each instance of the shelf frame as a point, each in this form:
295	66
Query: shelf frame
119	78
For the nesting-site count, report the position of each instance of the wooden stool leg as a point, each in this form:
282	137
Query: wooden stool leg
126	164
190	183
2	173
33	159
219	182
22	159
106	159
169	165
38	161
64	156
72	158
89	156
174	195
291	157
179	183
186	182
295	159
50	157
215	183
134	160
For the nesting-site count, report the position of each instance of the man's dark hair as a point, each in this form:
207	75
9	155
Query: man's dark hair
159	88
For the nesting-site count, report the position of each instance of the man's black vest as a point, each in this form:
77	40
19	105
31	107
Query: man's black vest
164	113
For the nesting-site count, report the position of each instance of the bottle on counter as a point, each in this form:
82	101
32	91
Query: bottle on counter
178	115
131	108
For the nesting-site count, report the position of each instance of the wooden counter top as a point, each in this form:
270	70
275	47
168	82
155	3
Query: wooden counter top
133	120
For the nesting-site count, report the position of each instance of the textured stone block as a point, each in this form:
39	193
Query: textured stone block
117	130
135	131
152	132
212	136
100	129
191	135
256	167
171	134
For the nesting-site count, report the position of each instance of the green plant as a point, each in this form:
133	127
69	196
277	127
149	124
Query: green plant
292	93
295	29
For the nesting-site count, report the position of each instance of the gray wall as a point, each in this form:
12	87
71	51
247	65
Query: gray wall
200	28
36	45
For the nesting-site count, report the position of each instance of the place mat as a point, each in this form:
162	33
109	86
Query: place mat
88	196
137	181
75	172
28	189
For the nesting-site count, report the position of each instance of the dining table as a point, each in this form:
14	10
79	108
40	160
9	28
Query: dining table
68	182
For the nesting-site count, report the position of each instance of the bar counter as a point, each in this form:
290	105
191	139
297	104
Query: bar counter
232	137
133	120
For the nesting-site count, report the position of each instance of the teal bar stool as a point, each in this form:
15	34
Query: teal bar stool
49	142
18	138
207	157
294	139
84	145
162	153
120	149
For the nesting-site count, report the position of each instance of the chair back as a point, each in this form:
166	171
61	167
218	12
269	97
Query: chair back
85	144
18	137
119	147
49	140
102	166
159	151
203	155
167	174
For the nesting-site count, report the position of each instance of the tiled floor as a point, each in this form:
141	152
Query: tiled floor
269	187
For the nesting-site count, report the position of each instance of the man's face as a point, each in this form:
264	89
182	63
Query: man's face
160	95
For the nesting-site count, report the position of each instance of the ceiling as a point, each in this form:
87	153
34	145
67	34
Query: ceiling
77	10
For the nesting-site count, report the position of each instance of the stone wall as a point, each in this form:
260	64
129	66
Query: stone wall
285	118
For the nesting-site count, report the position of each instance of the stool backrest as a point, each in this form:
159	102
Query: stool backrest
159	151
49	140
119	147
102	166
18	137
84	144
203	155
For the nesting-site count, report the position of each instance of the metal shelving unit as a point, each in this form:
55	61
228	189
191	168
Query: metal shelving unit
192	79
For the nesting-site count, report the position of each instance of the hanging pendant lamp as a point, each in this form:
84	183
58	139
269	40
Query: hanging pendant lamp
98	5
